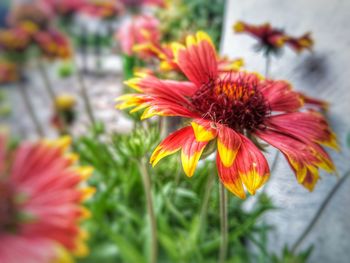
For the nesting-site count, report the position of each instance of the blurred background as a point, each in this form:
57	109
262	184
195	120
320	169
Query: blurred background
63	63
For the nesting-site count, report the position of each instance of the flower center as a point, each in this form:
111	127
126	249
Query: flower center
7	208
233	101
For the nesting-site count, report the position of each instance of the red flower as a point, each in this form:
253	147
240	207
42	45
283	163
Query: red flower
14	40
65	7
8	72
53	44
140	30
40	203
272	39
235	109
106	9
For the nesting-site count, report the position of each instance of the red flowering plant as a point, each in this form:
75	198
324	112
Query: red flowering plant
41	195
105	9
273	39
234	111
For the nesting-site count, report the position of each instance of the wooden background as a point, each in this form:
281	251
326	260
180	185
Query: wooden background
325	73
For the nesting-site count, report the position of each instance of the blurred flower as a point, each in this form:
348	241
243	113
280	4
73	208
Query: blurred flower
64	111
65	8
272	39
142	29
105	9
140	3
40	203
14	40
36	12
8	72
235	109
53	44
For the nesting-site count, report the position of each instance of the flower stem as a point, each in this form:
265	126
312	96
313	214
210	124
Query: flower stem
275	161
205	203
319	212
223	224
25	96
267	64
150	210
47	83
84	94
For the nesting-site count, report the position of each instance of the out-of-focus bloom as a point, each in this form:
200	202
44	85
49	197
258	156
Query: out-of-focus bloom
14	40
53	44
105	9
8	72
41	195
233	110
37	13
65	8
272	39
140	3
64	111
165	54
142	29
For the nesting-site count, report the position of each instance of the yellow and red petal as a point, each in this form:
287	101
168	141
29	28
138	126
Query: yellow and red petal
190	154
311	178
280	96
171	144
301	43
203	130
230	178
228	144
251	165
303	156
310	101
198	60
309	126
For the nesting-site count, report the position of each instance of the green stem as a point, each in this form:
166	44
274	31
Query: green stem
267	65
223	224
150	210
275	161
319	212
47	83
84	94
205	203
25	97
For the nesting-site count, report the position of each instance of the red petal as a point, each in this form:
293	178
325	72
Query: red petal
280	96
171	144
228	144
230	178
198	59
251	165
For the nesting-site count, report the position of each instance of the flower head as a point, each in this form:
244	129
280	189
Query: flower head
53	44
234	110
65	7
15	40
106	9
273	39
64	111
40	203
8	72
142	29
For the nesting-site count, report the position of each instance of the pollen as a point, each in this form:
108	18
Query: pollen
234	101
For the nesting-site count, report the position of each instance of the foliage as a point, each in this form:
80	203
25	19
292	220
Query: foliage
186	233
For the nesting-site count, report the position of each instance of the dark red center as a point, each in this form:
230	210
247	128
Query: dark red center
235	102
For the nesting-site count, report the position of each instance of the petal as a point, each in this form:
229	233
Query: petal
228	144
198	60
310	101
251	165
171	144
301	43
309	126
280	96
190	154
311	178
230	178
303	156
203	130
